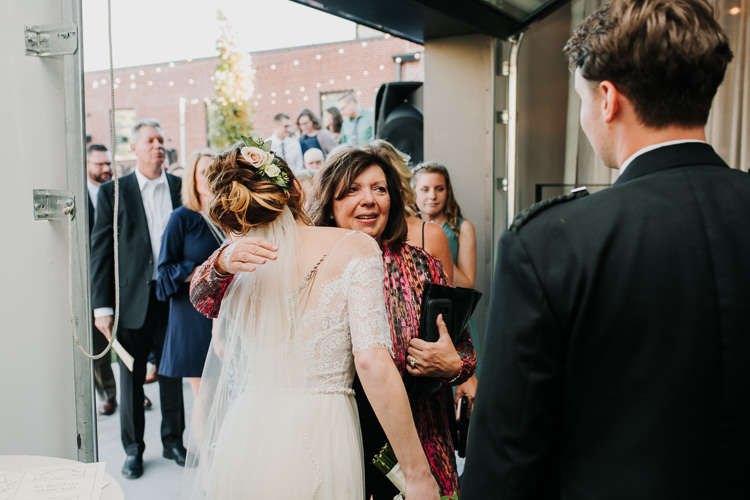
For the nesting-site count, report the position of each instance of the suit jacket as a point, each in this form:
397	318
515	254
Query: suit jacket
617	354
136	257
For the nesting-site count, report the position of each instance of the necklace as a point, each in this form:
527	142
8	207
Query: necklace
309	276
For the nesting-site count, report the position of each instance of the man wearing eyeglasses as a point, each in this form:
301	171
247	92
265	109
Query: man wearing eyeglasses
98	171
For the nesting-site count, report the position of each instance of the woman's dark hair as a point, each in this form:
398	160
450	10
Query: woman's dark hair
333	181
314	119
337	119
242	199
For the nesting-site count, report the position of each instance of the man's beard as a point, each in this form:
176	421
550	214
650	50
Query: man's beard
102	178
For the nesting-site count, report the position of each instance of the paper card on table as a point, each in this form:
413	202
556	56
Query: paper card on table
8	483
65	482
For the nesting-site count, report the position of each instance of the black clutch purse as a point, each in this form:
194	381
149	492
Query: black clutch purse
456	305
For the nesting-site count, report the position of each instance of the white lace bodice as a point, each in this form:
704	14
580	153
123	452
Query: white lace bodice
350	316
281	337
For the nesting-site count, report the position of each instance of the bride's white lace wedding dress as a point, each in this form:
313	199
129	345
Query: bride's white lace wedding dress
275	417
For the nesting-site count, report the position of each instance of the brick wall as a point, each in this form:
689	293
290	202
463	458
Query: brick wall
286	80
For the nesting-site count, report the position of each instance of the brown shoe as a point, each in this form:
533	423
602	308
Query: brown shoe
146	403
107	407
151	374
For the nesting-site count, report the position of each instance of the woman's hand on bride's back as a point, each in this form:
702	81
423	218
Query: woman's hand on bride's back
245	254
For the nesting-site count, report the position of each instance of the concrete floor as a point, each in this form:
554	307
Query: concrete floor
161	478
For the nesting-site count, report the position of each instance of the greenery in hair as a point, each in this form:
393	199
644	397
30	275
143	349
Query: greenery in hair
260	157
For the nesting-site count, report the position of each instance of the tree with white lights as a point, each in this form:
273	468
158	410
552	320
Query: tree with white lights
230	115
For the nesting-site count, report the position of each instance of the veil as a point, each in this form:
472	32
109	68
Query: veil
248	388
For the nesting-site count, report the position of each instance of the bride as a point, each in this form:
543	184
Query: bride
275	416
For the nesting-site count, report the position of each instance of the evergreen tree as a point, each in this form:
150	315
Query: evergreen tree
230	114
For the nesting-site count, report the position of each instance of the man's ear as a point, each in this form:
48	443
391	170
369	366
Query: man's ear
132	147
610	100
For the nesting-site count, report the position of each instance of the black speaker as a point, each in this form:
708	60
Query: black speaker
398	117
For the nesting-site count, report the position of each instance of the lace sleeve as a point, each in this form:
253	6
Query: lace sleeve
366	303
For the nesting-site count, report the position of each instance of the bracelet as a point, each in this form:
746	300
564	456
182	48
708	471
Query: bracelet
219	275
216	273
460	371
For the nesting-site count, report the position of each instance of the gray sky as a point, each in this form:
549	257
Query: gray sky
154	31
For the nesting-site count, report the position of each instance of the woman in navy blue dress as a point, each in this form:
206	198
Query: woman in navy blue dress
188	240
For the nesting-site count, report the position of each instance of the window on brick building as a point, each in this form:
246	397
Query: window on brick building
328	99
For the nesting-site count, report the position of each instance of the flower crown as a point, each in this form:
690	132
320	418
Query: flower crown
258	154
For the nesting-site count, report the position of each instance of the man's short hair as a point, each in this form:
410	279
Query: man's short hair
349	96
146	122
667	57
96	147
280	116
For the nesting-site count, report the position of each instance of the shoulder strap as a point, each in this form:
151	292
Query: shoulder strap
423	225
529	213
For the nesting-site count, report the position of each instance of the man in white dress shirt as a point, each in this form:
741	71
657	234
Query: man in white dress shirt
283	144
146	200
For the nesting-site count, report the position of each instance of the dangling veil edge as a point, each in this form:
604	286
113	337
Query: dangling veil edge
250	352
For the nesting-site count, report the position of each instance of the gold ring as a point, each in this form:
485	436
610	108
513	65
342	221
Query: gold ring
413	362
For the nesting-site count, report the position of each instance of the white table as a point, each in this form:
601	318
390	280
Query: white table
17	463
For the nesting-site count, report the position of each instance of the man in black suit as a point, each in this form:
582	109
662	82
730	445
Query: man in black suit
98	171
147	198
617	355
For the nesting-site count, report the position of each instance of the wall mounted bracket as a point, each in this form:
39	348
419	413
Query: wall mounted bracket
50	204
51	40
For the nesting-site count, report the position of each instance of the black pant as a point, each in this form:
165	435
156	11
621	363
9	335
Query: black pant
373	439
132	417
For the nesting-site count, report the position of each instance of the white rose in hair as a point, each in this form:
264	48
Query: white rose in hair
256	156
271	170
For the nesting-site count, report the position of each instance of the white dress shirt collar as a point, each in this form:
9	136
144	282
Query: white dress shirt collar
652	147
143	180
93	191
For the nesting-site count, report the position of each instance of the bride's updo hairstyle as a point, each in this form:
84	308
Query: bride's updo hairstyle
242	198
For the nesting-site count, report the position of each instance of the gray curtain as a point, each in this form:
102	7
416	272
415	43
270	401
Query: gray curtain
728	127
